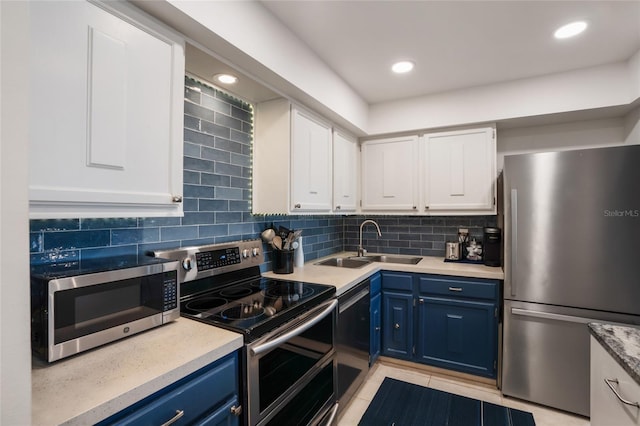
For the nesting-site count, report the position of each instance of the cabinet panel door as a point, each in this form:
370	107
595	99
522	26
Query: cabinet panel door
460	170
311	159
224	416
389	174
457	334
345	172
106	107
376	328
397	337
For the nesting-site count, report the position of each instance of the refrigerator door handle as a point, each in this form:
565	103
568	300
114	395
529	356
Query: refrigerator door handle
556	317
514	240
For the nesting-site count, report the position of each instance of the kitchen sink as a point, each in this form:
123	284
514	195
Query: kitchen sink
345	262
383	258
360	261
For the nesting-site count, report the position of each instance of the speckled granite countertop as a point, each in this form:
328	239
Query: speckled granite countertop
91	386
623	343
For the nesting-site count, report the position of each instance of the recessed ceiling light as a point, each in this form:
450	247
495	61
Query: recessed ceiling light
225	78
570	30
402	67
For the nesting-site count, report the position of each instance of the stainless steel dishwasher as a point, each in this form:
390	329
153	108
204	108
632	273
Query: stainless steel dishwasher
353	340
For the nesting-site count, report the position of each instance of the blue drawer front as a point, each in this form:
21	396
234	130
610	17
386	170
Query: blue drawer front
397	281
459	287
199	394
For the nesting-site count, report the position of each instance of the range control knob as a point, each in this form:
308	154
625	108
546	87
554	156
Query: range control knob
255	252
245	253
187	264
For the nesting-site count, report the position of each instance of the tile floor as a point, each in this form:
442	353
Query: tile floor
543	416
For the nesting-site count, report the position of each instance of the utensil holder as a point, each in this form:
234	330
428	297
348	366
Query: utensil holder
282	261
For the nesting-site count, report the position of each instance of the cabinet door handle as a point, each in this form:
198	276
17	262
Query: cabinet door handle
397	326
337	207
297	206
177	198
179	414
455	288
236	411
377	329
421	301
615	391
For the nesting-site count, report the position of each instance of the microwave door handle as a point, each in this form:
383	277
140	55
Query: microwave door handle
296	331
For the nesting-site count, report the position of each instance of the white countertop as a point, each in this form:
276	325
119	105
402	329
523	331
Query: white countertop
93	385
345	278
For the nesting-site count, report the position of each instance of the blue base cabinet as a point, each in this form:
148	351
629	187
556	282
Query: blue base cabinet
447	322
397	333
210	397
375	338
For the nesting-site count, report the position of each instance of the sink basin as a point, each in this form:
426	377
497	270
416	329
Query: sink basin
345	262
388	259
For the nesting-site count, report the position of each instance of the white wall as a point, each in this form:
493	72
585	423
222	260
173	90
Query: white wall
15	345
603	86
572	135
252	29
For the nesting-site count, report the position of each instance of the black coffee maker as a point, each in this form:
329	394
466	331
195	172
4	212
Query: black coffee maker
492	244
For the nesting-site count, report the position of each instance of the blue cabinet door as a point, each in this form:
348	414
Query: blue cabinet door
397	336
459	335
376	330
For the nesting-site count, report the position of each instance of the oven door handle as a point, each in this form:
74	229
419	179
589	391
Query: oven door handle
296	331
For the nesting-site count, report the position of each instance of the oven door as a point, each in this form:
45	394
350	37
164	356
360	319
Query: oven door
292	365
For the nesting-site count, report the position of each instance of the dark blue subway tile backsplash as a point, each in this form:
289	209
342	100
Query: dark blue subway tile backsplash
217	204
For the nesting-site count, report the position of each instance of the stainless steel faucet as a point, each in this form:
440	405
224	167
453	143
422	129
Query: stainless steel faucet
361	250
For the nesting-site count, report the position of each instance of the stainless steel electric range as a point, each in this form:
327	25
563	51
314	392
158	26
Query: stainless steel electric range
289	362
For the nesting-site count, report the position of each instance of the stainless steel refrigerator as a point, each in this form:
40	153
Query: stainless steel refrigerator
572	256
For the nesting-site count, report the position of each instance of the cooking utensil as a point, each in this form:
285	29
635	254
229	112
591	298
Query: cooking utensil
276	242
267	235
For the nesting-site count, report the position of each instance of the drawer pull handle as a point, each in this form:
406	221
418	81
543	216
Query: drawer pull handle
614	390
179	414
236	411
377	328
455	288
397	326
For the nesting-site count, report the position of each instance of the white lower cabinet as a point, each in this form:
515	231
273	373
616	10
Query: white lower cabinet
607	378
106	111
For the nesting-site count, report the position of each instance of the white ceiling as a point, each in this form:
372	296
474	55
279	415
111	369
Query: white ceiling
456	44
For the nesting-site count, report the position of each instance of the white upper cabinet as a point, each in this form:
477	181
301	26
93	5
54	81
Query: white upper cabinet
292	160
389	174
345	172
459	171
106	111
311	160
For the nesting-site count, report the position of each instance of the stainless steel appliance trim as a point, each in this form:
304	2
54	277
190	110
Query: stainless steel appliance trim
615	391
326	309
83	343
514	240
353	300
556	317
72	347
85	280
332	416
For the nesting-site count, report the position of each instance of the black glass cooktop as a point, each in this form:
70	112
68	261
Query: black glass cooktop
256	306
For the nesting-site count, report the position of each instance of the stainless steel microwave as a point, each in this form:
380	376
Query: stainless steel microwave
74	310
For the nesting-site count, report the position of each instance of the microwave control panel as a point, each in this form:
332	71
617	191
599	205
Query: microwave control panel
171	294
